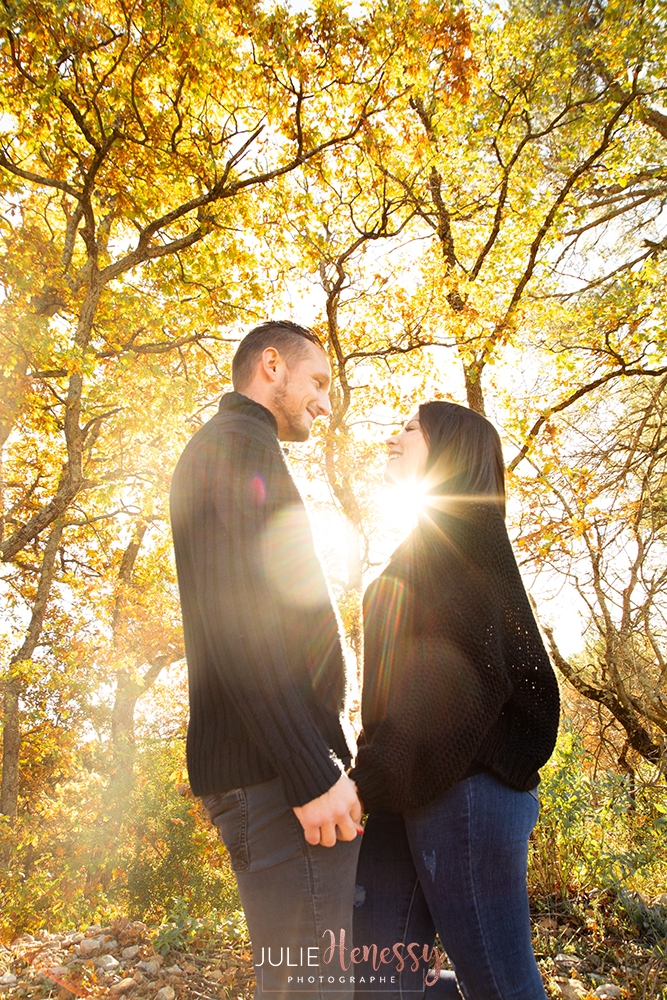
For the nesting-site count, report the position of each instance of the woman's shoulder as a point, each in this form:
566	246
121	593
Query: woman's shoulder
465	560
471	527
470	532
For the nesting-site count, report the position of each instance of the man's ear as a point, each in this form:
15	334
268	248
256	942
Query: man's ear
270	364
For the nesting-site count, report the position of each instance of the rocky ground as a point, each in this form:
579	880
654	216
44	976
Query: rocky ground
120	962
585	953
604	945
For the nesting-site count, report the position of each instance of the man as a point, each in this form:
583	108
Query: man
265	747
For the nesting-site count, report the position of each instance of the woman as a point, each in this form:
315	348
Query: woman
460	709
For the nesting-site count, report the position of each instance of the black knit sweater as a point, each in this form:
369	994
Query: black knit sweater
265	664
456	677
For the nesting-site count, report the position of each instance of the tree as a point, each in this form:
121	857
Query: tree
470	207
599	501
547	135
132	138
511	182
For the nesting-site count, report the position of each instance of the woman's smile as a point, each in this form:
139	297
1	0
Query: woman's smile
408	453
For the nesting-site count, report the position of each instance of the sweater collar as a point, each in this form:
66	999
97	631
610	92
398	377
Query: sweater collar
236	402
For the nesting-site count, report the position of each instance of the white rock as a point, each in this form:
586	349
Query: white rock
7	979
57	971
106	962
89	947
609	990
569	961
573	989
174	970
166	993
129	953
150	968
93	929
123	987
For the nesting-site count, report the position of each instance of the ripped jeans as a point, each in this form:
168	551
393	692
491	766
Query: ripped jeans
456	866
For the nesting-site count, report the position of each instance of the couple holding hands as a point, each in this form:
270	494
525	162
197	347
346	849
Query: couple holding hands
459	708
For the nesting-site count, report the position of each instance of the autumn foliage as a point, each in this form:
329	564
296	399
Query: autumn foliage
465	203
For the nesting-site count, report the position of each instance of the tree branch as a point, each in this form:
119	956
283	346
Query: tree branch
572	398
28	175
639	738
559	201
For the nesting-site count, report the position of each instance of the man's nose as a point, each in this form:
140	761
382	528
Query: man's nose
324	404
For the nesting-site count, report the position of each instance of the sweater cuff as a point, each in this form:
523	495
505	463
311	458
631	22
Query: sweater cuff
371	784
307	779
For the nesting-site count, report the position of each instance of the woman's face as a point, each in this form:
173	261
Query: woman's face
408	452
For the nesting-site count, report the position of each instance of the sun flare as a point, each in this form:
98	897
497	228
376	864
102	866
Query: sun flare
399	506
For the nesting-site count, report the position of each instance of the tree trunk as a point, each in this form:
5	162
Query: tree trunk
638	736
127	689
11	748
131	684
123	745
473	381
337	467
11	732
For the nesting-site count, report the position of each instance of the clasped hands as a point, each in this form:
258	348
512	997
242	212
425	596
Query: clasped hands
336	815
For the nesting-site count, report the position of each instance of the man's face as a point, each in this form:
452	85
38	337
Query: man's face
302	394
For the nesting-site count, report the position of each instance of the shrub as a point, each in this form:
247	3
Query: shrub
171	851
592	834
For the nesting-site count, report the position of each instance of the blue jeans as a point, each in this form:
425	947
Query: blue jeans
292	892
456	866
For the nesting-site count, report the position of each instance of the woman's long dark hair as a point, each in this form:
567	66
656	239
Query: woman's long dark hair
465	457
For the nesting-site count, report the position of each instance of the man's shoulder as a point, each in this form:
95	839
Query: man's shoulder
226	432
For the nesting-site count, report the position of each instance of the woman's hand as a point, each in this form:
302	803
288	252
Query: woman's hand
336	815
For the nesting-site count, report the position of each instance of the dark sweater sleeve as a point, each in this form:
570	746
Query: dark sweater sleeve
226	498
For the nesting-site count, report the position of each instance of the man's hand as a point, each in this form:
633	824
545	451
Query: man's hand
333	816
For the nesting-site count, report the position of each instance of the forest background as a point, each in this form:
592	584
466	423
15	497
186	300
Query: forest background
466	202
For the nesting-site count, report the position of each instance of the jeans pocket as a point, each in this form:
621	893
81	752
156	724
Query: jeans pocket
229	812
534	796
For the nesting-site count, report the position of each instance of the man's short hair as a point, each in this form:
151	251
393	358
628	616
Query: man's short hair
283	335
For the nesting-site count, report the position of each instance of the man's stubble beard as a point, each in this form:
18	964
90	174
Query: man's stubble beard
297	430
